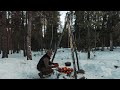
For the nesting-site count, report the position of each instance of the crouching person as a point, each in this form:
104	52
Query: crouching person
45	65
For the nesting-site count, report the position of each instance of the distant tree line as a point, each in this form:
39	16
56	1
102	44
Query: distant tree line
39	30
28	30
94	29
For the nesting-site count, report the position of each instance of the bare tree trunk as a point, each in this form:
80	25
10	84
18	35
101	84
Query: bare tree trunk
102	49
0	31
11	41
88	33
51	43
95	39
24	34
24	50
10	32
8	40
44	23
68	41
111	42
29	54
79	40
41	43
0	43
41	36
88	43
4	36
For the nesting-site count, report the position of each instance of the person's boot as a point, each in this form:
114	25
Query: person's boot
41	75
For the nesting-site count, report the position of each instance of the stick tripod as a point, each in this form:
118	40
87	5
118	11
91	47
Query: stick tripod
68	26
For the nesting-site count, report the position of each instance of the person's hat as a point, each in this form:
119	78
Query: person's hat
49	52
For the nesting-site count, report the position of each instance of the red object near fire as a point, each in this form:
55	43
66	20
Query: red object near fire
65	70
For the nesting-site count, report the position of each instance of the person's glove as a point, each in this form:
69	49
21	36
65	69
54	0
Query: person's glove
56	64
53	66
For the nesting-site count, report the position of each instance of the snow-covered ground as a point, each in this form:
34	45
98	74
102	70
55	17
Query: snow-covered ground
100	66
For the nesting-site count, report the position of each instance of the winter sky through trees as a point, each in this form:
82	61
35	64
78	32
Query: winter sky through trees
62	17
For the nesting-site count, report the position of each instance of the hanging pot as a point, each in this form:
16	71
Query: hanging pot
67	63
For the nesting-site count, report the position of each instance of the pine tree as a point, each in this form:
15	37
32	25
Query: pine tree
29	53
4	35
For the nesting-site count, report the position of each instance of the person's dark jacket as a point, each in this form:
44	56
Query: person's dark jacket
42	62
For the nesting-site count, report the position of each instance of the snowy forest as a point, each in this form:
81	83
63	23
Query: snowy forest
27	35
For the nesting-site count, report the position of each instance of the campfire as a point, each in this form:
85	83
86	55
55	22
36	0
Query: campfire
65	70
